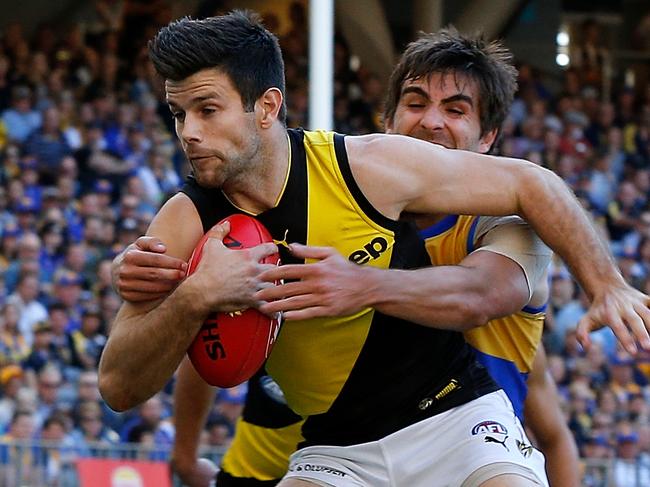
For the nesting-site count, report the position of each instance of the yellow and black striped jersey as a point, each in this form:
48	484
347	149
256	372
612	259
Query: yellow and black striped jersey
356	378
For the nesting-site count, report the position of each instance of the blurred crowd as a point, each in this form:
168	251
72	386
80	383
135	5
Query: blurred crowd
88	154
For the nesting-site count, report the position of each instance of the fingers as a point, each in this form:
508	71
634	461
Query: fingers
311	252
288	272
141	258
637	327
151	244
138	297
291	304
261	251
273	293
617	325
582	331
644	313
220	230
148	286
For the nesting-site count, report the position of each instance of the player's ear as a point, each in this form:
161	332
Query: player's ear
487	140
267	107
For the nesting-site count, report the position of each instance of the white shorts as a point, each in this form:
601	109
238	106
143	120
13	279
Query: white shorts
462	447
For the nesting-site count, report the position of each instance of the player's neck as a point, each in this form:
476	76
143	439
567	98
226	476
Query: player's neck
264	186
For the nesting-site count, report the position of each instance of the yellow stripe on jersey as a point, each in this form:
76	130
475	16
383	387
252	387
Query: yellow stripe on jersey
259	452
513	338
306	348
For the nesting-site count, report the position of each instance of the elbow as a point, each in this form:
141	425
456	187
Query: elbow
536	183
471	313
114	392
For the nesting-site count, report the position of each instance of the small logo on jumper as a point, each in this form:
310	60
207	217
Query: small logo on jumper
307	467
452	386
283	242
491	439
524	449
488	427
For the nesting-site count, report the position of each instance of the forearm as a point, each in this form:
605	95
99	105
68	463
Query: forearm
192	400
551	209
449	297
144	349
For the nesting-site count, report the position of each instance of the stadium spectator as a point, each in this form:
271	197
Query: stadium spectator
42	351
21	120
630	468
13	345
88	340
49	145
49	382
11	380
31	311
15	459
151	416
90	433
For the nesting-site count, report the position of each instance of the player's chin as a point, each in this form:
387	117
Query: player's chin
208	179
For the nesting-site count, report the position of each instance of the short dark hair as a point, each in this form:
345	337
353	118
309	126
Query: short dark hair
489	64
236	43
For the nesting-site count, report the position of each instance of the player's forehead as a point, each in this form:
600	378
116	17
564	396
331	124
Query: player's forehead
207	83
442	85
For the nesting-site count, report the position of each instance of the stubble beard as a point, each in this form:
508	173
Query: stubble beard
235	168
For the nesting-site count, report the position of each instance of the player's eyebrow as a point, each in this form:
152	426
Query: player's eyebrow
195	100
459	97
450	99
416	90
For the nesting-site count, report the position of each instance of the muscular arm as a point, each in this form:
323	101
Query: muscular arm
430	179
545	420
149	339
482	287
453	297
485	284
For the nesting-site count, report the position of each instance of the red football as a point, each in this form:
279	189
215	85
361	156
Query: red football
231	347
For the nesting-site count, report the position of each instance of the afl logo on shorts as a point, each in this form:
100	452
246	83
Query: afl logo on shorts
488	427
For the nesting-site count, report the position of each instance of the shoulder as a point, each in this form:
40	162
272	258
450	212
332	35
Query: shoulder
379	161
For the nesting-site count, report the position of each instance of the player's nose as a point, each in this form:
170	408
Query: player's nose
190	132
432	119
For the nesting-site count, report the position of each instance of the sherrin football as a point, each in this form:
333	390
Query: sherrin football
231	347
